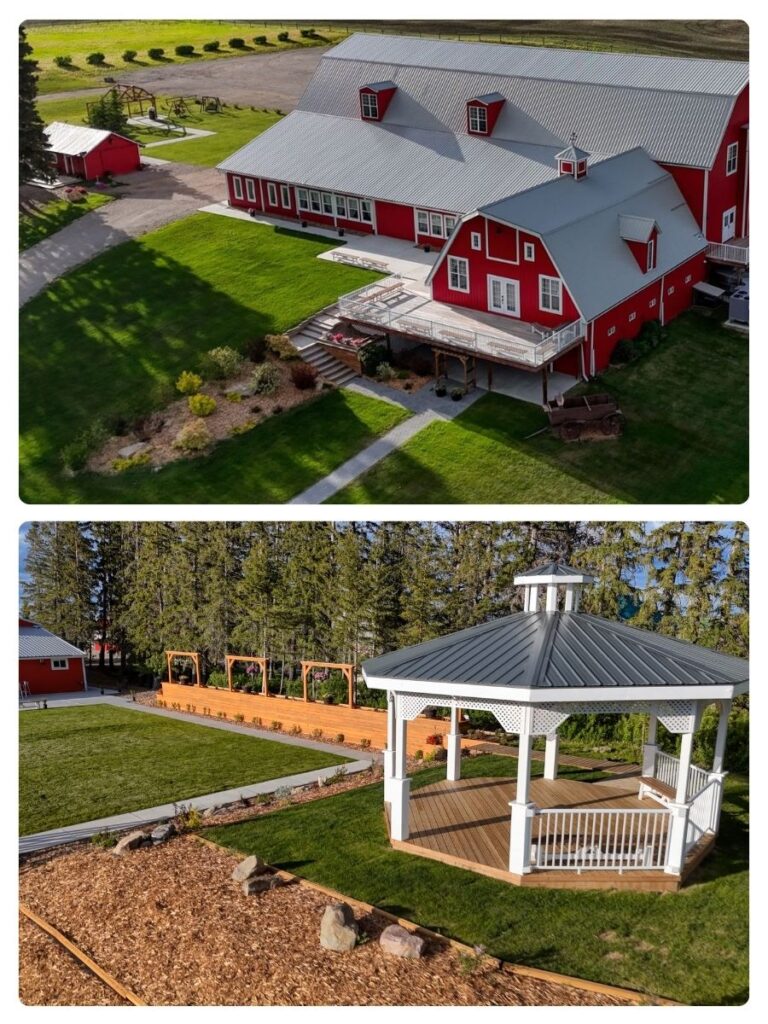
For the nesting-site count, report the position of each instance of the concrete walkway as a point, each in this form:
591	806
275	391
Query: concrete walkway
157	195
426	407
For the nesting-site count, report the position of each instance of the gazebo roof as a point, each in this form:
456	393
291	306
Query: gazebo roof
556	651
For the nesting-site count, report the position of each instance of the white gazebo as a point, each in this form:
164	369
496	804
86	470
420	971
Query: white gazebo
532	670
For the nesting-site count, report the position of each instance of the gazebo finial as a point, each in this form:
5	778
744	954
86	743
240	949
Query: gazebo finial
553	576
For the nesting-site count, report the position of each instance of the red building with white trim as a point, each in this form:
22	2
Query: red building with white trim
91	153
48	663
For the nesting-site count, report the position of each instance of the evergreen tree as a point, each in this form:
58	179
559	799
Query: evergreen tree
108	580
57	592
108	114
34	152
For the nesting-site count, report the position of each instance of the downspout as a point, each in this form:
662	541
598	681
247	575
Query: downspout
661	302
705	203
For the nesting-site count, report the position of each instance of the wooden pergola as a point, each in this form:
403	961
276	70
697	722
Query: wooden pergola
347	669
193	656
263	663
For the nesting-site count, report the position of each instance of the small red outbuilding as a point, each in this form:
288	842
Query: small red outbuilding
91	153
47	663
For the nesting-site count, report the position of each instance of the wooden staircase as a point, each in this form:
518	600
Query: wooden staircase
307	338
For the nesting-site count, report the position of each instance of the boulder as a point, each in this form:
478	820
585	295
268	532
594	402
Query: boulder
132	449
338	930
262	883
248	868
130	842
162	833
399	942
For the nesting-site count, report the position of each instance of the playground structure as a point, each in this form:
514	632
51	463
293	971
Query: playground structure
132	98
211	104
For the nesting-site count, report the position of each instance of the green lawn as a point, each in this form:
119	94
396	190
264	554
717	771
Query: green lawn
81	763
38	222
689	946
685	441
113	38
109	339
234	126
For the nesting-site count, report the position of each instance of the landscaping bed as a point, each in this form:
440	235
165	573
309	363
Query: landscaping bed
170	924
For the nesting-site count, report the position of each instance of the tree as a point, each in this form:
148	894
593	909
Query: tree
108	114
57	592
34	151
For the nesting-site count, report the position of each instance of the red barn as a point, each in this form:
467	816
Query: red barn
91	153
47	663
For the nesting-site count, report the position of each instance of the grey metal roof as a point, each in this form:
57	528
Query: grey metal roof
74	139
582	217
554	569
36	642
553	650
489	97
379	86
572	153
422	167
677	109
636	229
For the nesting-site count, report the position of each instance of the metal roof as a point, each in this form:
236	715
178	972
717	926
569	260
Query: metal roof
676	108
636	229
36	642
379	86
416	166
554	569
555	650
489	97
577	217
74	139
572	153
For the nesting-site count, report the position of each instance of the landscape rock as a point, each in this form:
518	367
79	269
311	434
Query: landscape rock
338	930
130	842
248	868
132	449
399	942
162	833
262	883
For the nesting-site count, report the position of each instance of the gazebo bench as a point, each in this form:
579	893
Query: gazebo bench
657	788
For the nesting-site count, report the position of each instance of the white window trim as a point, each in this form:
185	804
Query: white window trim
475	110
731	155
285	197
314	198
504	281
476	240
323	197
610	332
59	664
671	290
436	218
353	207
341	207
371	100
688	278
652	304
237	186
650	257
550	309
500	259
366	205
250	190
460	260
632	317
419	215
448	230
302	199
272	193
529	252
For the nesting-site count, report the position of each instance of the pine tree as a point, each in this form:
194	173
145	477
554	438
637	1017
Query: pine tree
57	591
108	571
108	114
34	152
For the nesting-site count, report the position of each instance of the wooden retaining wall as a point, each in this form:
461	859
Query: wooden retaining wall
355	723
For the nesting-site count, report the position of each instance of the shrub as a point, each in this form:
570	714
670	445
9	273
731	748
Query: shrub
184	50
129	55
238	718
217	679
316	734
201	405
339	737
132	462
419	755
441	390
193	437
365	744
304	376
435	739
62	62
265	379
441	754
235	397
283	37
256	720
402	374
295	730
188	817
384	372
281	346
260	40
105	839
75	455
242	428
221	363
457	394
156	53
651	331
95	58
256	350
338	776
372	356
189	383
275	726
211	47
237	44
221	714
623	353
308	33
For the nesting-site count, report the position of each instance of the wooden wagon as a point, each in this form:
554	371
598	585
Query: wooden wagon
583	412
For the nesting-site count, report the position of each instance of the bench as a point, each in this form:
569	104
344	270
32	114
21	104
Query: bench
658	788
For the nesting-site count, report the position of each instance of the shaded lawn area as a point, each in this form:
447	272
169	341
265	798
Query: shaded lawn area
81	763
233	127
38	222
108	341
689	946
686	439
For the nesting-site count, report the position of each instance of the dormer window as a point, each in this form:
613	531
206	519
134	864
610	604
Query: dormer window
374	100
478	120
369	105
641	235
650	253
482	113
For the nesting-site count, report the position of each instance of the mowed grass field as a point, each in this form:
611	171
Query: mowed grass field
81	763
108	341
112	38
234	127
690	946
686	438
41	219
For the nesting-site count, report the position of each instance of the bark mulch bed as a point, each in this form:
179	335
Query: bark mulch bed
51	976
171	925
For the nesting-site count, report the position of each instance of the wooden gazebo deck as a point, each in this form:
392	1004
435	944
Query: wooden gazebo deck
466	824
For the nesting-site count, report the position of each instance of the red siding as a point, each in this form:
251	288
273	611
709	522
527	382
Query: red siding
395	220
37	672
383	98
690	181
503	245
725	190
115	155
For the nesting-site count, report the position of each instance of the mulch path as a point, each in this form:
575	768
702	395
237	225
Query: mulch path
172	926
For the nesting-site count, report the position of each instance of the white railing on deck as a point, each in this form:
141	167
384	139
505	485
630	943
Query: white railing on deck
729	253
592	840
667	770
702	814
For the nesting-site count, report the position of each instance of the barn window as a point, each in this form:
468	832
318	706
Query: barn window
450	224
732	158
476	240
529	252
272	193
369	104
366	210
650	254
652	304
59	664
611	331
285	197
458	274
436	225
550	294
327	204
671	290
314	202
303	198
354	208
237	186
688	278
632	316
341	206
422	222
250	188
478	119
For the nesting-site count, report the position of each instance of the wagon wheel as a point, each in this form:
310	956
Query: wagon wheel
570	431
611	424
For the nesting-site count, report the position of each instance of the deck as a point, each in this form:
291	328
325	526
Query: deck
467	824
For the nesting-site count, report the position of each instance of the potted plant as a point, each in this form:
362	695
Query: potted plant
440	389
457	394
328	698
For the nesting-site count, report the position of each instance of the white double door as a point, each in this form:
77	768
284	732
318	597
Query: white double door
729	224
503	295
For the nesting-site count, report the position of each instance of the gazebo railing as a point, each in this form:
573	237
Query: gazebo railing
703	814
667	770
613	839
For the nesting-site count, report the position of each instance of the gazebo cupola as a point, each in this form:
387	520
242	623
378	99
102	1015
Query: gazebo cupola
572	162
560	583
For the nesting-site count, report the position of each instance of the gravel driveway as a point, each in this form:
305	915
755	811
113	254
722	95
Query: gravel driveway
159	194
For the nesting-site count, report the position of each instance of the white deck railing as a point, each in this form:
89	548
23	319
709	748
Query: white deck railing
729	253
368	304
667	770
607	839
703	813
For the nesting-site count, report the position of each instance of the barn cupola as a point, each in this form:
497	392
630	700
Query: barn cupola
572	162
560	583
483	112
374	100
642	237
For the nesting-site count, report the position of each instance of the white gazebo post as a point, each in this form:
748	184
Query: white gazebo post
551	597
522	811
649	747
678	830
401	784
571	597
551	751
453	773
531	599
389	752
717	774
